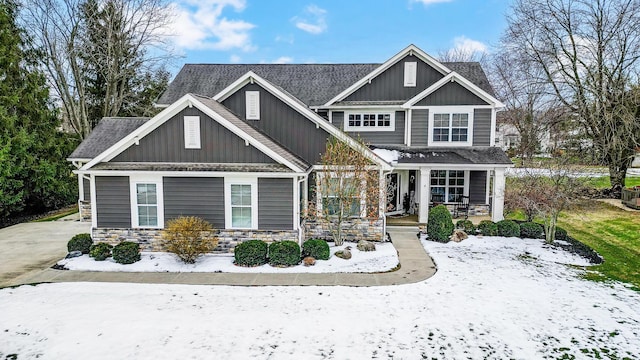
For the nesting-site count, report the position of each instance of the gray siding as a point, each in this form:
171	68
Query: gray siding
482	127
477	187
275	204
451	93
86	189
112	201
390	84
218	144
419	127
202	197
282	123
395	137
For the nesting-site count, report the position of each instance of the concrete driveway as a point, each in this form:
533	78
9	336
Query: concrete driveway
31	247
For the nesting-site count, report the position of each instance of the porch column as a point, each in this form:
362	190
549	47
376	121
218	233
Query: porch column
423	211
497	206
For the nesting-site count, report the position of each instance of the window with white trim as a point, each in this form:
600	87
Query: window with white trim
410	72
241	204
449	184
252	99
341	195
192	132
450	126
146	203
369	121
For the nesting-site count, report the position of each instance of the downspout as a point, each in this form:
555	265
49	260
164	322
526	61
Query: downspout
300	223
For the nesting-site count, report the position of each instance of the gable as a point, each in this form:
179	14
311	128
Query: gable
165	144
451	93
389	85
281	122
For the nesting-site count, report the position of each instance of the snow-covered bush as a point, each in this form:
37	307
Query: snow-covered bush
251	253
531	230
127	252
488	228
100	251
80	242
467	226
508	228
284	253
188	237
316	248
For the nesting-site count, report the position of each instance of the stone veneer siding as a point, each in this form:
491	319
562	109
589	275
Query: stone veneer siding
360	229
228	239
85	210
474	209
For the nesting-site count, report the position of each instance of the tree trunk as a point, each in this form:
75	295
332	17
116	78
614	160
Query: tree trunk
617	175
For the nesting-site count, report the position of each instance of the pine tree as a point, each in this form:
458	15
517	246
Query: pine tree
34	173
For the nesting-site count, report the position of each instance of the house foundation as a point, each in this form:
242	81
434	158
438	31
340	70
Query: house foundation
356	230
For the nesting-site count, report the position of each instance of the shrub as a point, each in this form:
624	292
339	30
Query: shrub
127	252
284	253
531	230
316	248
440	224
467	226
80	242
508	228
188	237
100	251
251	253
488	228
561	234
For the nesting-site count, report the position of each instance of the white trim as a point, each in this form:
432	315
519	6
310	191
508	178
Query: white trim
409	50
492	140
362	128
447	185
413	166
94	203
451	110
213	174
305	111
362	197
192	132
166	115
410	73
135	180
407	124
80	187
252	105
451	77
240	180
487	187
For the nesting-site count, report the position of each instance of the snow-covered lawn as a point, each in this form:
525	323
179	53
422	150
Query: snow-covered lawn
383	259
491	298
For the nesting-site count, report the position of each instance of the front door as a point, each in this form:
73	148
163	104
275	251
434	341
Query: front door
393	194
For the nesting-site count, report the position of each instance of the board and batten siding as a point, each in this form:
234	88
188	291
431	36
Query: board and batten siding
218	144
275	204
395	137
389	85
113	204
482	127
282	123
202	197
419	127
451	94
477	187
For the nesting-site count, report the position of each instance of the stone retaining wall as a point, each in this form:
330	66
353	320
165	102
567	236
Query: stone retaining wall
359	229
228	239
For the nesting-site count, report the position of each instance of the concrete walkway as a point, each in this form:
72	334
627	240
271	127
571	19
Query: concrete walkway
415	266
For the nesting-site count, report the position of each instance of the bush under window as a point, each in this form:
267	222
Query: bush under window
488	228
80	242
100	251
188	237
284	253
467	226
440	224
251	253
127	252
508	228
531	230
316	248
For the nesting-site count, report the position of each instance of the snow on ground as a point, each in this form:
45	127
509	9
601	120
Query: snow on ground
383	259
491	298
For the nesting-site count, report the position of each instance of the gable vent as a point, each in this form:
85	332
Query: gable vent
253	105
410	70
192	132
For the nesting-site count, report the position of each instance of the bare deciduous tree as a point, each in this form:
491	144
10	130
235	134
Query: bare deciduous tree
92	44
587	51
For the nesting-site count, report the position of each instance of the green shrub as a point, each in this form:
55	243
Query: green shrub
488	228
188	237
251	253
100	251
80	242
284	253
467	226
440	224
561	234
316	248
508	228
126	252
531	230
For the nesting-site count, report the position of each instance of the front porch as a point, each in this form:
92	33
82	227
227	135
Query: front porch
412	219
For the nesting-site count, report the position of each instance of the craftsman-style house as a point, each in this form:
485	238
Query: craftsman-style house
240	144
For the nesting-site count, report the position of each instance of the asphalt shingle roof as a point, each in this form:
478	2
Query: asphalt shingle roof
109	131
489	155
313	84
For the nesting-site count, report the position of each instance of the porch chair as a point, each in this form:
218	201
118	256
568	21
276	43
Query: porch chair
461	207
437	199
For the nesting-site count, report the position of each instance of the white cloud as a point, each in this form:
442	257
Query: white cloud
280	60
200	25
312	21
466	45
429	2
289	39
235	59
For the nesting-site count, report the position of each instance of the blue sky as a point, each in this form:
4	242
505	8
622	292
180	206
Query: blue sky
329	31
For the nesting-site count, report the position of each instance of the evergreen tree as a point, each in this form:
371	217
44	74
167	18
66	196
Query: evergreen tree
34	173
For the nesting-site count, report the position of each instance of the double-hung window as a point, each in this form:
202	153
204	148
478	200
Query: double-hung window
146	203
341	196
241	204
449	126
448	183
369	121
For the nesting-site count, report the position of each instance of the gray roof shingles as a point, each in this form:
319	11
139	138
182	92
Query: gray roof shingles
109	131
485	155
313	84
